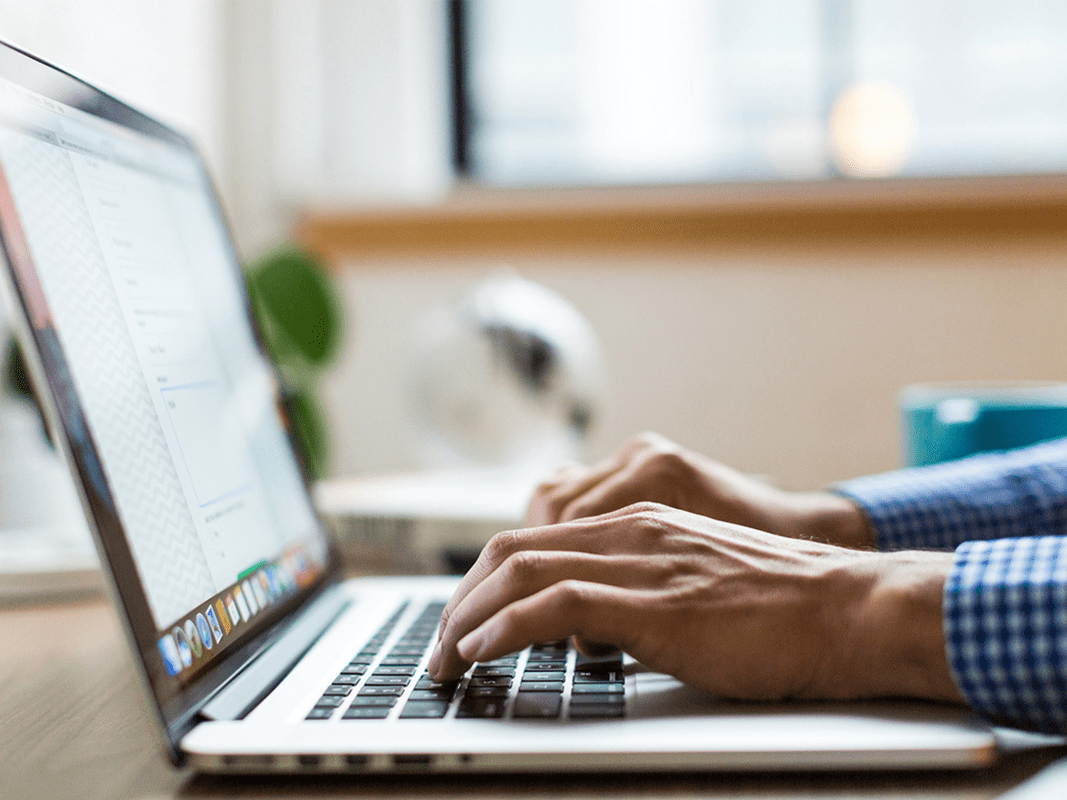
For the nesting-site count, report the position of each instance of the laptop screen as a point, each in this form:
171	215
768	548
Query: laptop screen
126	273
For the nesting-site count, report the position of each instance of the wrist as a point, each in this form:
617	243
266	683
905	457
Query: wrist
890	642
834	519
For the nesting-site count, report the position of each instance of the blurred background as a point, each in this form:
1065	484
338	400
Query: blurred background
773	213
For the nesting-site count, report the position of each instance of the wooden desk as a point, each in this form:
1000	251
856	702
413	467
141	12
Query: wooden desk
72	725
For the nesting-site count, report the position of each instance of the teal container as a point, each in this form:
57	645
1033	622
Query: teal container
945	422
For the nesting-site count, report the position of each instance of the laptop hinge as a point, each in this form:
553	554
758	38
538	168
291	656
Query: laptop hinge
267	670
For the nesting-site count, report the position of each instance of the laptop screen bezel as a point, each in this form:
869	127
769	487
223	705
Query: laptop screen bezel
175	703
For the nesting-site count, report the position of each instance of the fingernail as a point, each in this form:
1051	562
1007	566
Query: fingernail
435	660
471	645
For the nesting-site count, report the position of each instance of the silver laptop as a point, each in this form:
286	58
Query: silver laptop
255	655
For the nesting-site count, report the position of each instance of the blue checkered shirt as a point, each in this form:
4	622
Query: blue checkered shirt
1005	601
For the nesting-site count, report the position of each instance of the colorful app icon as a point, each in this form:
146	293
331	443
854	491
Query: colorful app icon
205	631
301	569
169	650
194	638
258	593
224	618
275	581
213	621
185	652
264	584
232	609
285	573
242	604
249	596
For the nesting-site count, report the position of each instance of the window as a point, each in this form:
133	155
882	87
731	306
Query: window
573	92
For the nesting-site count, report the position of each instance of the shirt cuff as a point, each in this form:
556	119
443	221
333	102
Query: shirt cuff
1005	626
995	495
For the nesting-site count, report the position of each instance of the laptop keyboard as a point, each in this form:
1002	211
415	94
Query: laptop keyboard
547	681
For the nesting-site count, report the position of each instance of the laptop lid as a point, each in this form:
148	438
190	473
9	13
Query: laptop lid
139	331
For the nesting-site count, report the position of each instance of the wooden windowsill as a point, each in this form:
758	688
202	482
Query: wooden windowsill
503	223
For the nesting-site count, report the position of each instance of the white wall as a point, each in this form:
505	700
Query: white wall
779	361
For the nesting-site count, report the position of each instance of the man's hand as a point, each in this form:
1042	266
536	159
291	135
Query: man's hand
738	612
651	468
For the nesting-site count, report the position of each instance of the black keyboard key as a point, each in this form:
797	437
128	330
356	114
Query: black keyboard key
486	691
407	650
418	633
373	700
367	712
543	666
534	658
432	694
401	661
537	705
355	669
544	676
541	686
597	711
407	671
599	677
481	708
387	680
424	709
489	680
598	664
361	660
485	672
597	698
338	689
597	688
329	701
381	691
320	713
426	682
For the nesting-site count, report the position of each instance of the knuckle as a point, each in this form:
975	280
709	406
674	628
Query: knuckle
548	488
646	512
666	465
548	502
645	439
570	596
501	546
578	509
646	520
524	566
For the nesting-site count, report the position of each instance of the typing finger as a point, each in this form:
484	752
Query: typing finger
591	611
617	490
552	496
525	574
615	533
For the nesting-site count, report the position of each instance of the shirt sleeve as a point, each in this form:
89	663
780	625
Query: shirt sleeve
1005	599
1005	623
1014	494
